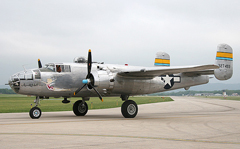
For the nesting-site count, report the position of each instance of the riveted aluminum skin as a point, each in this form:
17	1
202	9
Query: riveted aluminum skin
118	80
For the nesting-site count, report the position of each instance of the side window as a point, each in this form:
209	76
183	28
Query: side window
37	74
63	68
21	76
67	68
59	68
29	75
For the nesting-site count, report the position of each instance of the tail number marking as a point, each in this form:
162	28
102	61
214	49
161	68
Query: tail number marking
224	66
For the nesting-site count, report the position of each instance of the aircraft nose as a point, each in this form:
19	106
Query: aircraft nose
14	82
18	78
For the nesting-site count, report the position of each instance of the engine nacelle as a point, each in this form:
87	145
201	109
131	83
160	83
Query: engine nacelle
224	60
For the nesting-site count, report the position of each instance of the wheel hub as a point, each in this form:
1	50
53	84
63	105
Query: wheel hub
131	109
36	113
81	108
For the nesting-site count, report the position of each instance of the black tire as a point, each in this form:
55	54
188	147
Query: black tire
129	109
80	109
35	113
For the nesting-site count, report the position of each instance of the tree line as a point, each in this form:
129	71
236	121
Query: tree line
6	91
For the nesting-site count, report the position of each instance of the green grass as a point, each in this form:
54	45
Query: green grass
20	103
224	98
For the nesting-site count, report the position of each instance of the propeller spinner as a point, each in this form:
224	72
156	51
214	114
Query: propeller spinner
89	79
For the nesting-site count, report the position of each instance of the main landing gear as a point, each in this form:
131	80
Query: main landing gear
80	108
129	108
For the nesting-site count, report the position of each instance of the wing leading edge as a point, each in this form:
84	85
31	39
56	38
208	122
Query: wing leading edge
151	72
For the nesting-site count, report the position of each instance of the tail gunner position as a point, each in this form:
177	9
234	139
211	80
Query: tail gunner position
86	79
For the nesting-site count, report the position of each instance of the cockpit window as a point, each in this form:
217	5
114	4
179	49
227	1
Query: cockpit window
48	68
56	68
63	68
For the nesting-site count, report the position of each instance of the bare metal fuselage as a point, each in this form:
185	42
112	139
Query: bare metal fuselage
39	82
87	79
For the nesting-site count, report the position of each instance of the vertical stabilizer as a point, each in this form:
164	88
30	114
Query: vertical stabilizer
224	60
162	59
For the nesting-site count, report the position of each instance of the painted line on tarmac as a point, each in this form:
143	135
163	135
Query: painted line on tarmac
122	136
92	120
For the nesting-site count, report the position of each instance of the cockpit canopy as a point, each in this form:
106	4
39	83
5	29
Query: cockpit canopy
56	67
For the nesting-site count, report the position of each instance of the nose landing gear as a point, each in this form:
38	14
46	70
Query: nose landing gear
35	112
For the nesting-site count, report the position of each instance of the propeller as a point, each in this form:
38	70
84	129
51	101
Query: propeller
89	81
39	64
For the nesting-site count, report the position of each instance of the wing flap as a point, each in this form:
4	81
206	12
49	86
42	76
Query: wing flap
153	71
198	73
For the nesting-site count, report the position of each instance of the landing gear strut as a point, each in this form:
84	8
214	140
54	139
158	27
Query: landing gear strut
35	112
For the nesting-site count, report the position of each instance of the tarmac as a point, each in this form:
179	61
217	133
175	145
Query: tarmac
186	122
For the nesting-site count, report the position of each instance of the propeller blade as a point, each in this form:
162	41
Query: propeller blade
97	92
39	64
89	63
87	81
79	89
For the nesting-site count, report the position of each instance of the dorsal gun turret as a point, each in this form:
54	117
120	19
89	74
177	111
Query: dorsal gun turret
79	60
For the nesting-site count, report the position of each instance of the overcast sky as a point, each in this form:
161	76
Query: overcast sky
118	32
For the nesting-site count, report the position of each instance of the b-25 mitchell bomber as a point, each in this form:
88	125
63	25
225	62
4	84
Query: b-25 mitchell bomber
86	79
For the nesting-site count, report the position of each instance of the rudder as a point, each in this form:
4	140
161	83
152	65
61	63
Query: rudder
224	59
162	59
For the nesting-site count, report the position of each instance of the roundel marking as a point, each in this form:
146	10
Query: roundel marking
169	80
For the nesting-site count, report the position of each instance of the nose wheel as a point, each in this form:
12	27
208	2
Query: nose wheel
35	113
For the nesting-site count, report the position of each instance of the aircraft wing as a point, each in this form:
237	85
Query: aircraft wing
151	72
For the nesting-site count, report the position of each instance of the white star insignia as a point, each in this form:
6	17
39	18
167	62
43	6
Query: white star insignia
167	80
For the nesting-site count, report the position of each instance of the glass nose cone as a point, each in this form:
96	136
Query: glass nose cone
14	83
